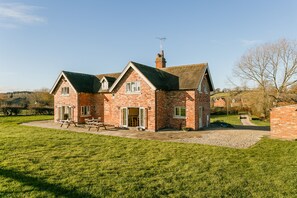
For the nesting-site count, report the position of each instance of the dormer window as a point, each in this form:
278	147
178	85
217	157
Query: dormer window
65	91
104	84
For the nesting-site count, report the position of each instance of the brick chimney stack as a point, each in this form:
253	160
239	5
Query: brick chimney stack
160	60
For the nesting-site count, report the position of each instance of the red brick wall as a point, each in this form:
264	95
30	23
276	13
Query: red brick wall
162	118
283	122
192	99
146	99
95	101
108	109
183	99
202	100
59	100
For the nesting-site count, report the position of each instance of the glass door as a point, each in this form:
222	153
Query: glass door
142	117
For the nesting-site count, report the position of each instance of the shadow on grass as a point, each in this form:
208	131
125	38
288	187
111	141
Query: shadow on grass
240	127
40	184
257	128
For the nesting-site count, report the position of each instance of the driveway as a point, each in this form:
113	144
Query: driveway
239	137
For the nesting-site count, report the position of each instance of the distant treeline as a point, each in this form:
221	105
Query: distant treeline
26	103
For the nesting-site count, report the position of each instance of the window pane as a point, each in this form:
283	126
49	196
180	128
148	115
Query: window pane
133	87
177	111
138	86
128	87
182	111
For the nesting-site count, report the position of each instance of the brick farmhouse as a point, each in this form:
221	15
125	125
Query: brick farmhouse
151	98
283	122
219	102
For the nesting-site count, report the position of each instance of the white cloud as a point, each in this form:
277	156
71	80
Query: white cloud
14	14
246	42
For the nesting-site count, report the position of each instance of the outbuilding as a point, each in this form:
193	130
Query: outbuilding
283	122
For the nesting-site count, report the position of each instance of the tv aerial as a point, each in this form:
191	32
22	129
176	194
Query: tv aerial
162	40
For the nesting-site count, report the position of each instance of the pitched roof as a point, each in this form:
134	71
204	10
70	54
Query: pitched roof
111	78
189	76
175	78
111	75
182	77
85	83
160	79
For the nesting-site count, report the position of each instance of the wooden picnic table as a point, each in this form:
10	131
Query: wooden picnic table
94	123
67	122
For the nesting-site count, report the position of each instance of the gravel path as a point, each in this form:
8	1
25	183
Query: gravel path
246	121
228	138
242	137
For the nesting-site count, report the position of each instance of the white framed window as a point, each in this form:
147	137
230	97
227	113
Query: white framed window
104	85
85	110
65	91
179	112
133	87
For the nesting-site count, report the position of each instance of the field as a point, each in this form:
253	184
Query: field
231	119
234	120
261	123
36	162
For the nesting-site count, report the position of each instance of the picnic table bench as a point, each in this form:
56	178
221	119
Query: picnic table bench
67	123
94	123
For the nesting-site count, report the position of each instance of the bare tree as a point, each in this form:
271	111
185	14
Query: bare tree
283	66
273	66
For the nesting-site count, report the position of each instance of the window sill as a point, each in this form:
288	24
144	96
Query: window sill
65	95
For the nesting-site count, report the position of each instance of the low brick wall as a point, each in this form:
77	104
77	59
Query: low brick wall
283	122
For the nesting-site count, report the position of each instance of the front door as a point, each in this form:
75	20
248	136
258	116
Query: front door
134	117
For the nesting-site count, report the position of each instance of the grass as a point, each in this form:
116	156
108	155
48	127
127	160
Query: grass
36	162
261	123
234	120
230	119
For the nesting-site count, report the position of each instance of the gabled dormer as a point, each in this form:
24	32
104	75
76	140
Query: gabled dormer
107	80
104	84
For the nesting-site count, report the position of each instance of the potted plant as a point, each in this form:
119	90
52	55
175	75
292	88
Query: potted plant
186	129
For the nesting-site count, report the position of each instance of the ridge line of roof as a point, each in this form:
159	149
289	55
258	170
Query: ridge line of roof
63	71
108	74
186	65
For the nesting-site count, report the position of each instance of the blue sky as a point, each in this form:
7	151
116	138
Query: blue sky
39	38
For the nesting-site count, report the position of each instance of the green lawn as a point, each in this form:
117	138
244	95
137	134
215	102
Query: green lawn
261	123
231	119
234	120
36	162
